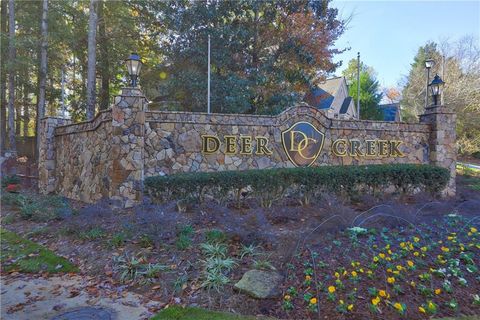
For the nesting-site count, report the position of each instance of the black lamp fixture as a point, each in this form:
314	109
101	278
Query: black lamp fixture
134	65
437	87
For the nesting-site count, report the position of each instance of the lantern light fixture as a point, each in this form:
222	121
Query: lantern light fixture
134	65
436	86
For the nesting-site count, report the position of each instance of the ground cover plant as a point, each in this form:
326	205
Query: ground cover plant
408	272
23	255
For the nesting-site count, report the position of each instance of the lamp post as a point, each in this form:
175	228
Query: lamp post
134	65
429	63
437	87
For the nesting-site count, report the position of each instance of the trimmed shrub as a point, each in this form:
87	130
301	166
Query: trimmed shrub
269	185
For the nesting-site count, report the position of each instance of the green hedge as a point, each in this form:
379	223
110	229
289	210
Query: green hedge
269	185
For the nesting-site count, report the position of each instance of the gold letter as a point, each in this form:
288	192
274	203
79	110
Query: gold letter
355	148
246	145
371	148
206	140
383	148
335	146
262	145
394	151
230	145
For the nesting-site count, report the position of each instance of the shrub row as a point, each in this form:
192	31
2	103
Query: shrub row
269	185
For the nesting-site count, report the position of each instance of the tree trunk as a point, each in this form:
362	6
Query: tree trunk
3	79
43	71
91	73
11	76
26	114
104	63
18	116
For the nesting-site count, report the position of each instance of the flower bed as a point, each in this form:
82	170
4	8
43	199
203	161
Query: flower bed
410	273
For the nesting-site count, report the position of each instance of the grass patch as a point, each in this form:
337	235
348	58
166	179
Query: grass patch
26	256
190	313
93	234
184	240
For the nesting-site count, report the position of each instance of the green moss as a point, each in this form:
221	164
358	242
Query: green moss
189	313
26	256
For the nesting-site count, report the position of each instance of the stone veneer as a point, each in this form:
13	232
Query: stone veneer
109	156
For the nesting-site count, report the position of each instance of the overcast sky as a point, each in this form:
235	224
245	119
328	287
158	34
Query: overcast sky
389	33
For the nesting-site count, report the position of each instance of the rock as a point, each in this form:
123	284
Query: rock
260	284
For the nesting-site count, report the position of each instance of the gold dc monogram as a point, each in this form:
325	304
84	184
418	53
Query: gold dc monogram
302	143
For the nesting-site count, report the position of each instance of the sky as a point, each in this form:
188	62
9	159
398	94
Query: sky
388	33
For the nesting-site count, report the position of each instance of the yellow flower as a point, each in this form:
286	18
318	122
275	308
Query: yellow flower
287	297
381	255
389	251
399	268
388	259
375	259
387	246
389	270
424	249
450	238
313	301
337	275
344	273
431	305
382	293
350	307
391	280
354	274
402	244
341	301
416	239
473	230
416	254
445	249
308	278
438	291
331	289
398	306
412	283
361	270
396	272
375	301
410	263
422	310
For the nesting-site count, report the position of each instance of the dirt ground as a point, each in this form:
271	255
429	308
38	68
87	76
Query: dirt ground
281	231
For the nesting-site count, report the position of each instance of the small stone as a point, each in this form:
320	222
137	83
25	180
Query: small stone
260	284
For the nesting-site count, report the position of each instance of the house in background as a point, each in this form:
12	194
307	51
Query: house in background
391	111
332	97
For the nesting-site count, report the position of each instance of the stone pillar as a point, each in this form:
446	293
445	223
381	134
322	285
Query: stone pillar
128	130
443	141
46	153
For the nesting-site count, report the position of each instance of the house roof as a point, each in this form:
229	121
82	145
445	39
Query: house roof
346	103
323	96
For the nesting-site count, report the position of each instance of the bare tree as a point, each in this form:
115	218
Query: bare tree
11	75
43	70
3	79
92	59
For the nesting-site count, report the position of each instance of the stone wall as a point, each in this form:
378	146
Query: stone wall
173	140
83	159
109	156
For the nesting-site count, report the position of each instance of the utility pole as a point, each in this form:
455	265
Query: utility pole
208	85
358	85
